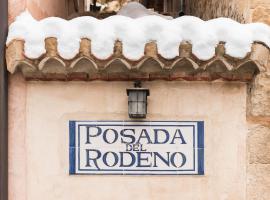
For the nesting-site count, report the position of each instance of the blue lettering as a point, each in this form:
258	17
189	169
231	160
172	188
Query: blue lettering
114	135
178	135
97	131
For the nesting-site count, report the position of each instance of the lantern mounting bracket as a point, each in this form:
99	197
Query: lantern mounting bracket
137	84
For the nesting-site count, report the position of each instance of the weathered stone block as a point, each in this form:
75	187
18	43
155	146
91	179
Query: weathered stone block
258	182
259	97
259	144
209	9
261	14
260	55
255	3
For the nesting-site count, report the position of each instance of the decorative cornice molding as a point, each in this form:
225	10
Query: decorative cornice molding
152	66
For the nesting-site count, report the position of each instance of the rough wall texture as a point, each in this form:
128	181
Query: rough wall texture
209	9
258	169
259	138
260	10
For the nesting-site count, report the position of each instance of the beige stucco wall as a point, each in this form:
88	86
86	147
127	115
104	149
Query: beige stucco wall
16	138
41	149
40	8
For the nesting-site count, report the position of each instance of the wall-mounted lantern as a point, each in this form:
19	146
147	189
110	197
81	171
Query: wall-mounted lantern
137	101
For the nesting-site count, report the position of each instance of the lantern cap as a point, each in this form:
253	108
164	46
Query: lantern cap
138	89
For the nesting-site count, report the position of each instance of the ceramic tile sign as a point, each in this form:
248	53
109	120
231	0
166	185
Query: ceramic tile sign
136	147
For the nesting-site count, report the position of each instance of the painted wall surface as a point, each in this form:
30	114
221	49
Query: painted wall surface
39	152
16	138
15	7
39	9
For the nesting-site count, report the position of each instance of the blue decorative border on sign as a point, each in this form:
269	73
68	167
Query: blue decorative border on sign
72	158
200	149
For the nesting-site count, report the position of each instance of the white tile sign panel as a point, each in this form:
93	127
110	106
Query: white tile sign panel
136	147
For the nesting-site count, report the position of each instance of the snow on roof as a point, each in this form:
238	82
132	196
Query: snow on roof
136	33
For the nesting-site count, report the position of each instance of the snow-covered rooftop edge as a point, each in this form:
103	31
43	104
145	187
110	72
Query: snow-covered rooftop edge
136	33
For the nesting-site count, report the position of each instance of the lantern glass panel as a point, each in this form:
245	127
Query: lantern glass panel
133	107
141	108
141	96
132	96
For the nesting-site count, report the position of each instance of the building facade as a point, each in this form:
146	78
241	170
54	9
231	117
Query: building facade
48	88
